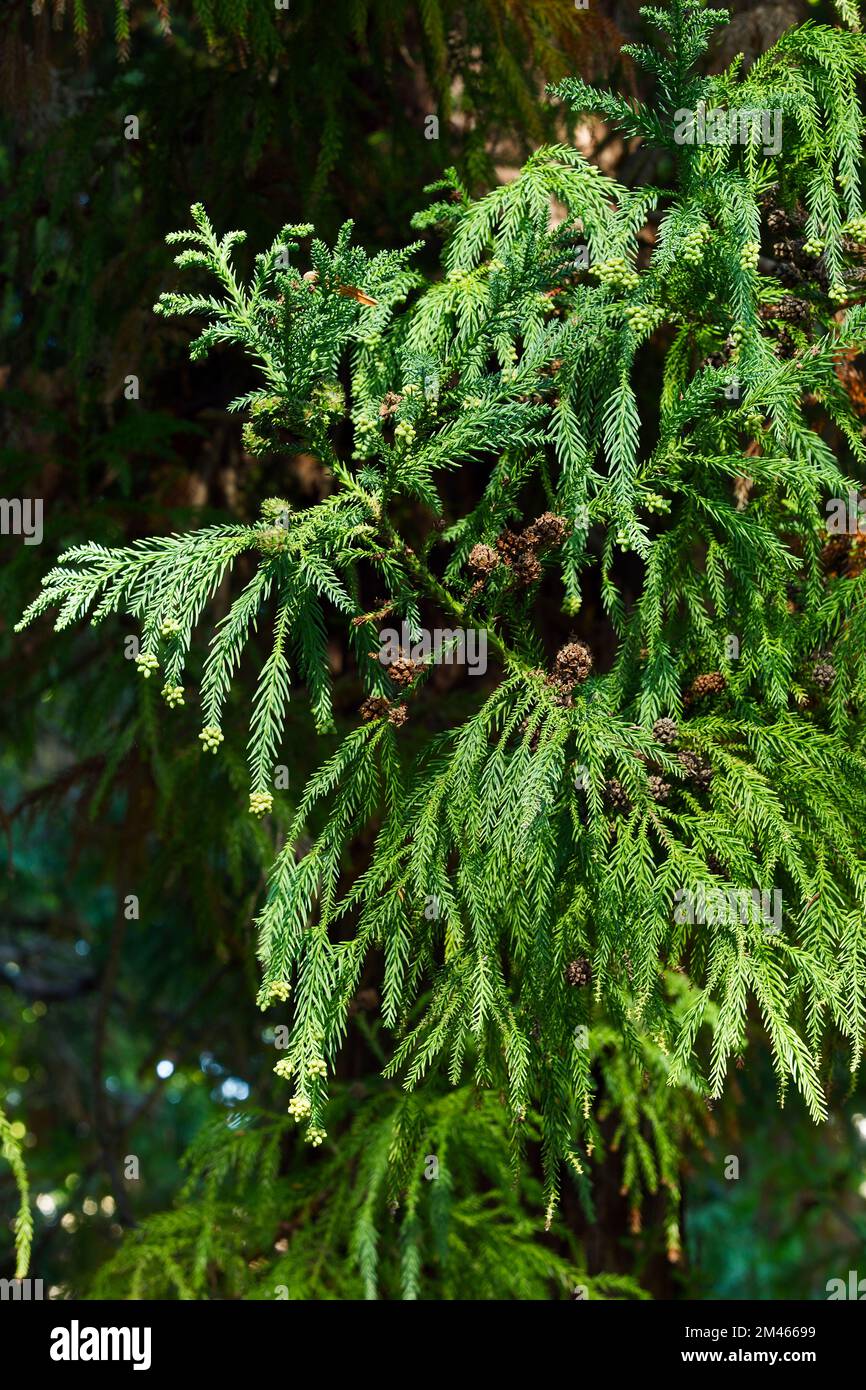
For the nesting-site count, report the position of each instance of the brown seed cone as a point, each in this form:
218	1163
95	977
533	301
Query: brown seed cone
573	664
526	570
823	674
578	972
697	768
665	731
547	529
778	221
659	789
617	797
710	684
398	714
389	404
373	708
792	309
511	545
402	671
483	558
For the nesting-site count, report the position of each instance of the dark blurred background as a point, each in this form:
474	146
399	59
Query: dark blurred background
128	1022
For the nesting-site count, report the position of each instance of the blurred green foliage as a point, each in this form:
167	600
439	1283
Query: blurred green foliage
795	1216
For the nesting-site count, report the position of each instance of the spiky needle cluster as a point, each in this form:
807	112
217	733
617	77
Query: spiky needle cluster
519	364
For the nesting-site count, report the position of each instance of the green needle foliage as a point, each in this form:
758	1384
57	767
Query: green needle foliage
246	1225
558	821
417	1196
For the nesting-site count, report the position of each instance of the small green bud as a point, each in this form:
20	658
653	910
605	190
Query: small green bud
276	510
